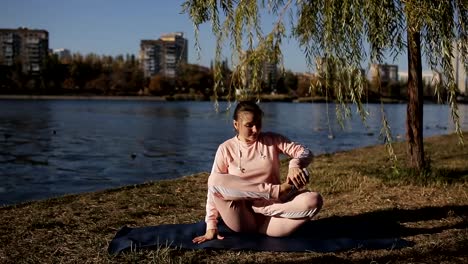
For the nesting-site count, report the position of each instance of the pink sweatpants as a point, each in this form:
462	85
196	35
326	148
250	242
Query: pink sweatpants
255	207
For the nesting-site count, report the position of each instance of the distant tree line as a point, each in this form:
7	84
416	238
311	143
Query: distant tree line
122	75
90	74
99	75
374	90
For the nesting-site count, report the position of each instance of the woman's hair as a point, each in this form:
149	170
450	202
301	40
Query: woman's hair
247	106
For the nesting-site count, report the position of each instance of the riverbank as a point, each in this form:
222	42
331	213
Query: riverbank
80	97
188	97
181	97
359	184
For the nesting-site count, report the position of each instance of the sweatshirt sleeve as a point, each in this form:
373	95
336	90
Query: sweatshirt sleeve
219	166
212	213
300	155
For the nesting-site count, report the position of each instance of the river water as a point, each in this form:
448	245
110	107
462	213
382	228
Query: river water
54	147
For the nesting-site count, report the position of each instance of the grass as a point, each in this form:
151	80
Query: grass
358	186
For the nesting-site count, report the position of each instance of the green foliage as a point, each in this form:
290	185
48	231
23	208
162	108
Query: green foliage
334	30
90	74
104	75
160	85
337	37
287	82
194	78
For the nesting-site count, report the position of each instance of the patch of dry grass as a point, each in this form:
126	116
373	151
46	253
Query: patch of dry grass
358	185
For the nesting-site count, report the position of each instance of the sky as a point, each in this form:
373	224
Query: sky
115	27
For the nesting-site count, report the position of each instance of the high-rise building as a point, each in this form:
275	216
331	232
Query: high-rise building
27	46
459	72
387	73
270	73
62	54
164	55
150	57
430	79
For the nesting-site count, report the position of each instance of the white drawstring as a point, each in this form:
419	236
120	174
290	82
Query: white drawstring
240	157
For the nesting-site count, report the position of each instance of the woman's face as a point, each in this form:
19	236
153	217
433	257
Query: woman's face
248	126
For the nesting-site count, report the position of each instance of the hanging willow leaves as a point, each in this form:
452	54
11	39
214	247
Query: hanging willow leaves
338	37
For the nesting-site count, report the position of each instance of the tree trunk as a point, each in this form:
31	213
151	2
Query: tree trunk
414	111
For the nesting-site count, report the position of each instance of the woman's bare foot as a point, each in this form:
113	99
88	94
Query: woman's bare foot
286	191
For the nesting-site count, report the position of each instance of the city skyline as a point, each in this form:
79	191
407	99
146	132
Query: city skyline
116	28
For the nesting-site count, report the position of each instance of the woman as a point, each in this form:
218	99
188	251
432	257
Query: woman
244	186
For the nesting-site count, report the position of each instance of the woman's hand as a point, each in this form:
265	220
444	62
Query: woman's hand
209	235
297	177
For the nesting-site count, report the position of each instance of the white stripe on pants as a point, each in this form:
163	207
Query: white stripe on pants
254	207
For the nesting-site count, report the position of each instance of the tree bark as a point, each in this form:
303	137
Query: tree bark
414	111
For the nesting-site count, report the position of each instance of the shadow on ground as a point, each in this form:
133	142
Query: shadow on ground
382	229
384	223
391	223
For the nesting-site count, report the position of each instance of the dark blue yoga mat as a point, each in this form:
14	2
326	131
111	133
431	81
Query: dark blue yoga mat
324	235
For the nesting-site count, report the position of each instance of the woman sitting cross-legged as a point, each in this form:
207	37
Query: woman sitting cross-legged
244	186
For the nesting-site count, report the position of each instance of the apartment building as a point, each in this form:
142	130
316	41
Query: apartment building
430	79
64	55
164	55
270	73
459	72
27	46
387	73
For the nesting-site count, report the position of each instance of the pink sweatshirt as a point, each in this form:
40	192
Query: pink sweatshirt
256	162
